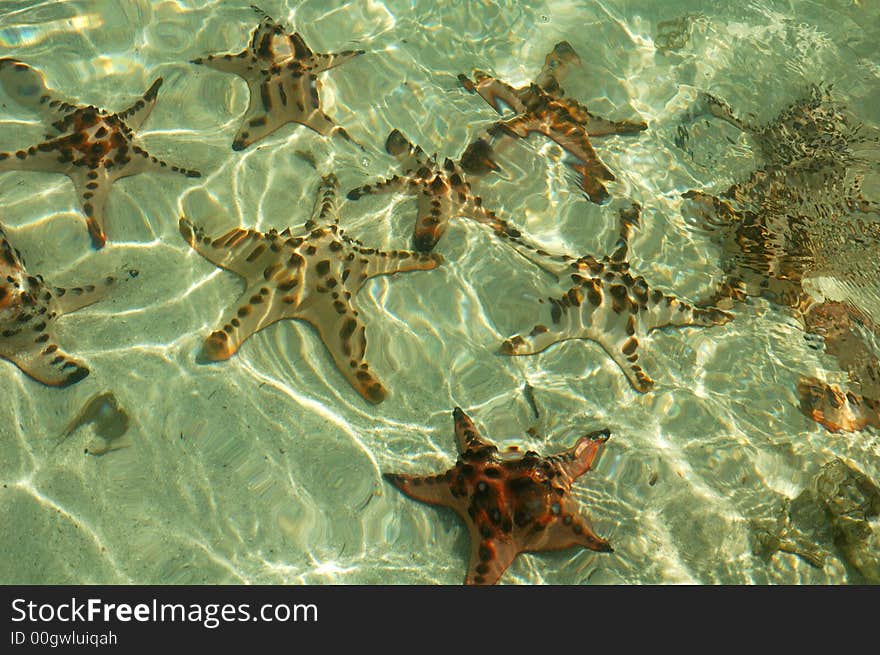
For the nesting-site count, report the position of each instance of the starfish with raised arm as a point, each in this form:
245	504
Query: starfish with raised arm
29	309
541	107
511	504
611	307
442	190
90	145
312	277
281	74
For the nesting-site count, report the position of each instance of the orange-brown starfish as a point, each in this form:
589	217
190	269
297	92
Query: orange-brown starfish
93	147
540	107
511	505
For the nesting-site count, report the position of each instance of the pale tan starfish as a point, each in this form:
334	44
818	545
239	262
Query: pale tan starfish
611	307
281	74
29	309
312	277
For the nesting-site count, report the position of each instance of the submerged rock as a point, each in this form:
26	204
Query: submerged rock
839	510
109	421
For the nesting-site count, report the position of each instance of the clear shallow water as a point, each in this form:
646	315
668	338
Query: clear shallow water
266	468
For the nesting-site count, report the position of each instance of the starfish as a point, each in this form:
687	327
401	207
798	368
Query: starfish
90	145
29	308
281	74
511	506
312	277
611	307
541	107
801	217
442	190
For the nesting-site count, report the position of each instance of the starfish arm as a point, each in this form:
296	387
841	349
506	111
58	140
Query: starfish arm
714	211
566	529
344	336
325	210
142	161
590	311
490	558
493	91
720	109
556	64
44	361
629	219
729	290
246	252
138	112
590	178
27	335
664	309
92	189
242	63
389	185
410	157
319	62
432	218
578	459
430	489
256	309
472	207
27	87
553	263
598	126
466	435
378	262
70	299
538	340
625	353
48	157
573	138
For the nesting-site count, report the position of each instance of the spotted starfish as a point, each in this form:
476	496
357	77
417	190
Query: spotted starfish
29	308
511	505
611	307
802	213
281	74
312	277
443	192
541	107
804	216
90	145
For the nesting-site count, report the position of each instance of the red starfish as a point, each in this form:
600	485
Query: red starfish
511	506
